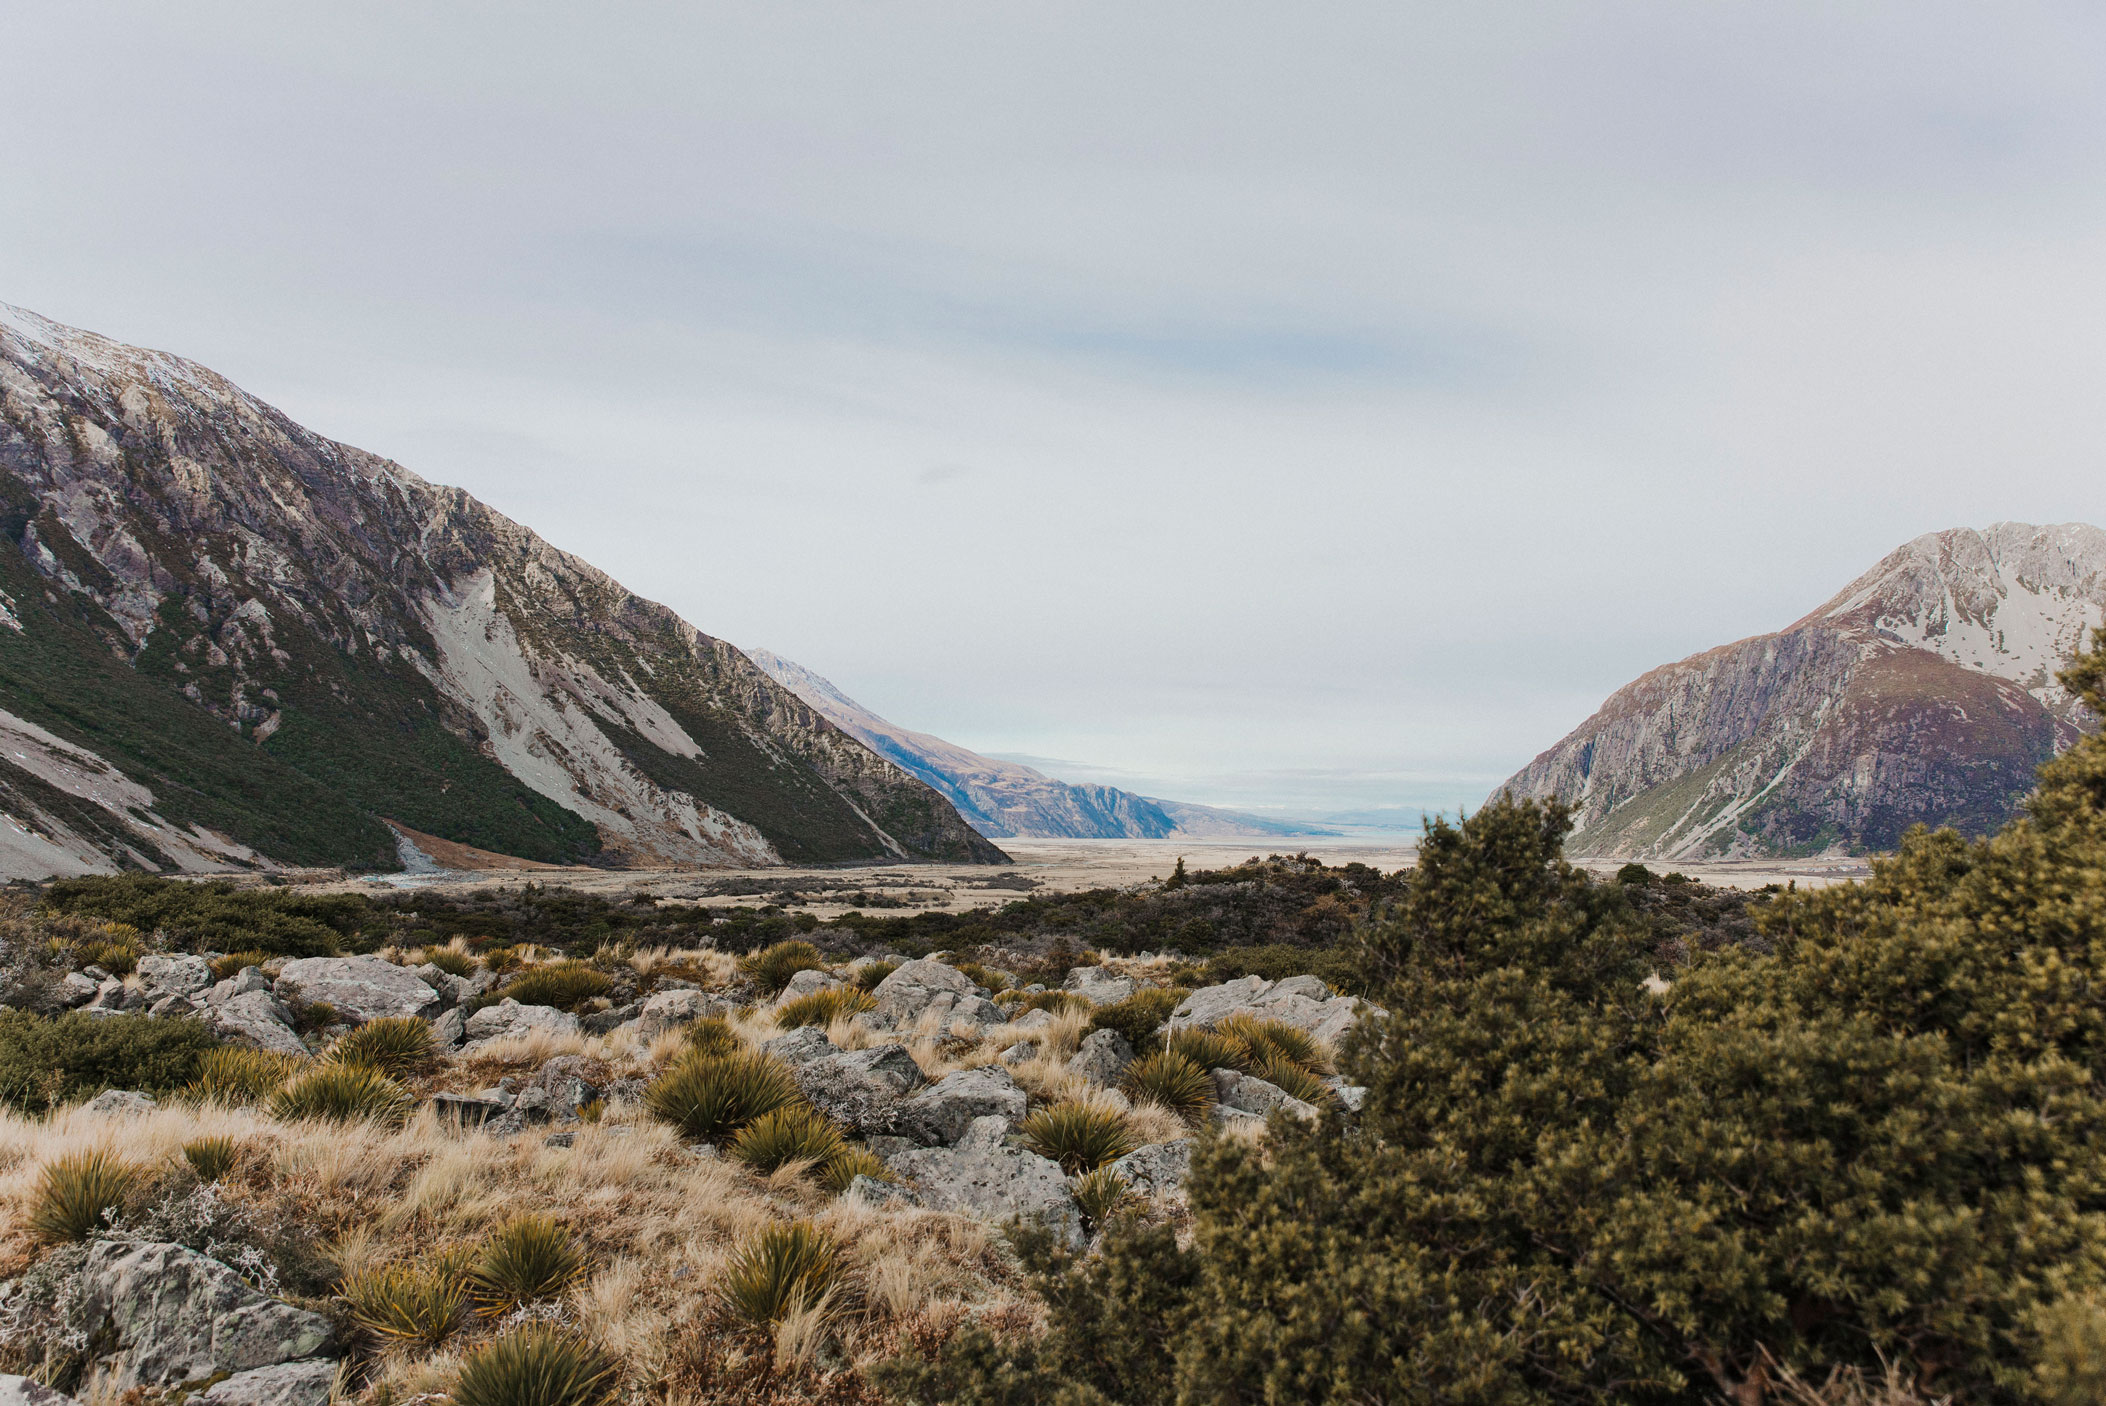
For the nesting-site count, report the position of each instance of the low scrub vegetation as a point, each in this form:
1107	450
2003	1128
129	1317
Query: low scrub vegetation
398	1046
526	1261
710	1097
772	967
564	985
1140	1015
236	1074
211	1158
823	1007
1170	1081
342	1093
784	1270
535	1366
48	1060
402	1305
1080	1136
80	1194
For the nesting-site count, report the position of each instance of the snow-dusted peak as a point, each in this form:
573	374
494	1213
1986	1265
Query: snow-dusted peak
2014	600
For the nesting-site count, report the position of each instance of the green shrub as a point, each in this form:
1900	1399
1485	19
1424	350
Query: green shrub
528	1260
1269	1040
1338	967
404	1305
1101	1194
564	985
448	960
233	963
822	1007
211	1158
1211	1050
787	1134
535	1366
1634	874
237	1074
783	1270
1140	1015
868	976
215	916
1080	1136
342	1093
396	1045
713	1096
851	1161
772	967
49	1060
77	1195
711	1035
1170	1081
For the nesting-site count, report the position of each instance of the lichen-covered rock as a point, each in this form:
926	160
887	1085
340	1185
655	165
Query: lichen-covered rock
174	1317
509	1020
800	1046
1032	1020
77	990
908	991
869	1191
808	983
1098	986
1303	1002
22	1391
941	1114
1246	1093
450	989
111	1103
669	1010
240	984
1101	1057
450	1029
861	1089
287	1384
1019	1053
984	1177
173	974
1159	1169
256	1018
357	988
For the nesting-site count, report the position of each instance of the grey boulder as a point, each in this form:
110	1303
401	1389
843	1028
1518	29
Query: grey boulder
910	989
1245	1093
1101	1057
1303	1002
1098	986
358	988
985	1177
508	1020
808	983
942	1113
77	990
286	1384
23	1391
800	1046
240	984
174	1317
869	1191
1159	1169
173	974
668	1010
256	1018
116	1102
450	1029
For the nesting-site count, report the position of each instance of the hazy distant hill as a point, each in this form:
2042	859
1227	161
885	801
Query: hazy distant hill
1922	692
225	639
1007	799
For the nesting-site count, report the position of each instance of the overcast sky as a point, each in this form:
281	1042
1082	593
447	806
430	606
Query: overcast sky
1318	407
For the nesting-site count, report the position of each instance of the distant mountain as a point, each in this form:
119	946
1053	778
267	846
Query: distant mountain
228	642
1006	800
1923	691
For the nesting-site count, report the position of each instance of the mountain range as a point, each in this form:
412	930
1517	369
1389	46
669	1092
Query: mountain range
229	642
1005	799
1922	692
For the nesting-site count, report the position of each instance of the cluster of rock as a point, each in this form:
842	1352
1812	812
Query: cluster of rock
166	1319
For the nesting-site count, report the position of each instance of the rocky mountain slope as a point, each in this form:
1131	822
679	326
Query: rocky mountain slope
226	640
1924	691
1004	799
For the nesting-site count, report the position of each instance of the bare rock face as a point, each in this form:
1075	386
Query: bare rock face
174	974
983	1176
668	1010
117	1103
288	1384
808	983
359	988
176	1318
1923	692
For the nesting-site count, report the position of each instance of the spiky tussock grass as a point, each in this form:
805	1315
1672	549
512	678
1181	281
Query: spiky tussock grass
1210	1050
784	1270
235	1074
1293	1079
452	960
711	1035
397	1045
535	1366
233	962
403	1305
823	1007
211	1158
713	1096
524	1261
1270	1040
1101	1194
565	985
342	1093
1140	1015
1021	1002
852	1160
1170	1081
78	1195
1080	1136
771	968
793	1133
870	974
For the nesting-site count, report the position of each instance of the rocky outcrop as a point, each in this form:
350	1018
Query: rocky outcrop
1100	986
928	988
860	1089
1157	1170
357	988
940	1114
230	641
1303	1002
1101	1057
255	1018
170	1317
1923	692
509	1020
985	1177
22	1391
